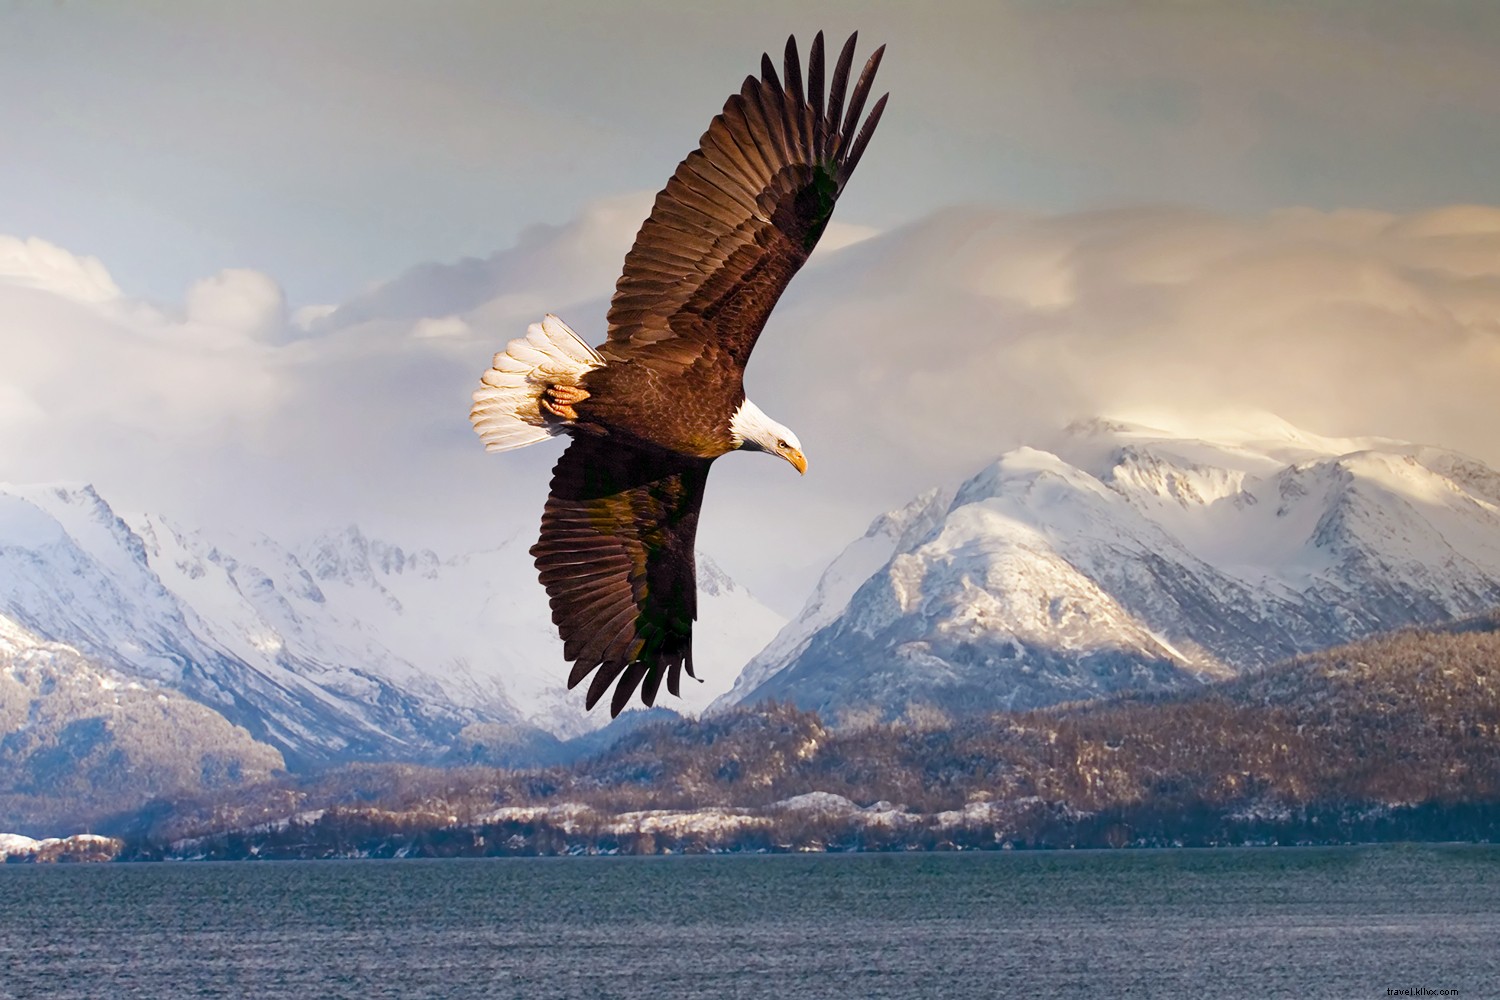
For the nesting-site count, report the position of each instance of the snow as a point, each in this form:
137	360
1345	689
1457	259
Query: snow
23	522
859	560
14	638
15	845
342	638
1250	503
1162	555
564	812
712	821
1209	548
1256	433
816	802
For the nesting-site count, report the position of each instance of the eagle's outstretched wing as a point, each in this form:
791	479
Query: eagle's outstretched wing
616	557
741	215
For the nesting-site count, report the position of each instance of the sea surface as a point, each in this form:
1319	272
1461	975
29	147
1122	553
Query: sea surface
1269	922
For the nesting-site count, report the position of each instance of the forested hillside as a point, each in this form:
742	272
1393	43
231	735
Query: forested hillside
1397	737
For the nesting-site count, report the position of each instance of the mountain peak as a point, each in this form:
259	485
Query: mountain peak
351	646
350	554
1125	555
1231	429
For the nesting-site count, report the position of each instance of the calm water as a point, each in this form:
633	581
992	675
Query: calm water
1340	922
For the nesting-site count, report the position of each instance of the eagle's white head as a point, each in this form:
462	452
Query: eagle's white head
752	430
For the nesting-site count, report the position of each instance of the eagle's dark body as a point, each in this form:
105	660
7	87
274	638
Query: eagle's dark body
736	221
641	404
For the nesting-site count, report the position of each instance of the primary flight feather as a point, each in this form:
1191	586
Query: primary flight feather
652	407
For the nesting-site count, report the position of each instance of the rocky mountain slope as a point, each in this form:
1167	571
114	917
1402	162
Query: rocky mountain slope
80	742
1131	558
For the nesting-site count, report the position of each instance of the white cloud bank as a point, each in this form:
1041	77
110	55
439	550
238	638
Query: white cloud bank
35	263
239	302
903	359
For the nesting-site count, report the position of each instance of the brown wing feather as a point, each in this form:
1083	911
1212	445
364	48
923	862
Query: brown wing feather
616	557
740	216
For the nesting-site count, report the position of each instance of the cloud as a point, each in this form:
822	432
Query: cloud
446	326
903	359
915	357
35	263
549	268
975	327
18	409
98	386
239	302
339	142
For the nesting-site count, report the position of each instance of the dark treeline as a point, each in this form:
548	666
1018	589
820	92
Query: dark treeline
1393	738
352	833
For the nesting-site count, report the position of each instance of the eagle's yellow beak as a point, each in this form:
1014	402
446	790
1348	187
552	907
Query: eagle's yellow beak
798	460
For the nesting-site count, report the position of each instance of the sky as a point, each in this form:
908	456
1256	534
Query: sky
254	257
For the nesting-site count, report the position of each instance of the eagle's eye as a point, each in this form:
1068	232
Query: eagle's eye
782	445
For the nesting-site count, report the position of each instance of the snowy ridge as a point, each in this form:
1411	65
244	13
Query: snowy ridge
886	535
83	741
14	845
1128	557
344	646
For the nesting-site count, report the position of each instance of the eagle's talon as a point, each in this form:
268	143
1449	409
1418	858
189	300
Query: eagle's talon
558	400
560	412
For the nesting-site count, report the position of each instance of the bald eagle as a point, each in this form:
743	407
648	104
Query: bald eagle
650	409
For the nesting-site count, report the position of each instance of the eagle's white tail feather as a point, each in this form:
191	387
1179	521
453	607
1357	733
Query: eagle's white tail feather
507	413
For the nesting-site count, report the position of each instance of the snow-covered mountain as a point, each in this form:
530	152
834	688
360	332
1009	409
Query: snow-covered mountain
1126	557
80	741
346	646
1120	557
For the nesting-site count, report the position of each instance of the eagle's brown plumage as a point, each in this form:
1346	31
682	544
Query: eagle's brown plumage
740	216
736	221
616	556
